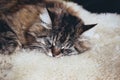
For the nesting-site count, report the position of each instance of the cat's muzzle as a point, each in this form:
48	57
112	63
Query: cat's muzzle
55	51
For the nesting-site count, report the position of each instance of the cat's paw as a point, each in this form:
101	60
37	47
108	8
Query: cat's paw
82	46
8	44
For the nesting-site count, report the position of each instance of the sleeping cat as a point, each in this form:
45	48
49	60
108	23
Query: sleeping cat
58	36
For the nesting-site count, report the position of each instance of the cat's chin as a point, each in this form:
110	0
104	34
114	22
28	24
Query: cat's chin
50	54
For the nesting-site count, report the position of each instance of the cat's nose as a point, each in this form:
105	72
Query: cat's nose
55	51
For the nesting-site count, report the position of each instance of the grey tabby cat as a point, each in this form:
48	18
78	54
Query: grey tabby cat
61	38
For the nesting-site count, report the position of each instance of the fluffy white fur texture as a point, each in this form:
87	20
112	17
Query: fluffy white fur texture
102	62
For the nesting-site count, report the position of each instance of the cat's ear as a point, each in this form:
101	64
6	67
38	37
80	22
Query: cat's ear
51	13
87	27
80	28
45	19
54	12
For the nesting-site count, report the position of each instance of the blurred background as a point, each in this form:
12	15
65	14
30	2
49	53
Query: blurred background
100	6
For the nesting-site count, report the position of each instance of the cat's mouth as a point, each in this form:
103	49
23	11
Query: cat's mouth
55	51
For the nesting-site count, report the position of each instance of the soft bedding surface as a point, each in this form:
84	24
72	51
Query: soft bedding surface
102	62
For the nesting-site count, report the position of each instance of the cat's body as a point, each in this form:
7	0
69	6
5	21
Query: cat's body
60	36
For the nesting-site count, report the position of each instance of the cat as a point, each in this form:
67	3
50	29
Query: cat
59	37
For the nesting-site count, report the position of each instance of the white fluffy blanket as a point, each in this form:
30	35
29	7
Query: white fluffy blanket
102	62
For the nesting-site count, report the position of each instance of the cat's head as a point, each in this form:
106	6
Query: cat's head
64	33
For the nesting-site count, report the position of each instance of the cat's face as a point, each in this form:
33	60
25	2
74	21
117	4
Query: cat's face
63	37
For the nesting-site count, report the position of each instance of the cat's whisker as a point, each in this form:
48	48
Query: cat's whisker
53	43
63	47
67	45
54	39
68	37
59	36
